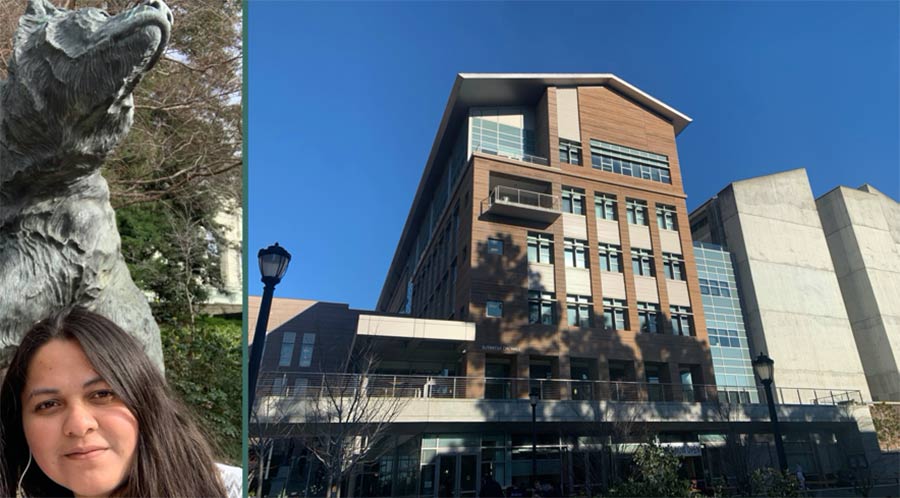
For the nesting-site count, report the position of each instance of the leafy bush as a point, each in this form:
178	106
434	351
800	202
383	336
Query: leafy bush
771	482
656	474
203	365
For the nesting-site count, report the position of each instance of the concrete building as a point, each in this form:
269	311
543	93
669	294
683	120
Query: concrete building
511	296
793	305
862	229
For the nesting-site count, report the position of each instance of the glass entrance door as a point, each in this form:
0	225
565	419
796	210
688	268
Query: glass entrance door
457	476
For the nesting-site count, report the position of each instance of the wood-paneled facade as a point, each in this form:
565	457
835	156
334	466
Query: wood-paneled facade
457	273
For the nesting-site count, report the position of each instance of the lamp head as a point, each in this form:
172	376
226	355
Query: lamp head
273	263
764	368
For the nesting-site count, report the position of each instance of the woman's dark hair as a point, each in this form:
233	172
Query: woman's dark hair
172	457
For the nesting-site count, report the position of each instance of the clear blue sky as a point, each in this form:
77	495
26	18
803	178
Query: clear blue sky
345	100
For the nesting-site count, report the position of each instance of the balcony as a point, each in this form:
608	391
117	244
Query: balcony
439	399
519	203
499	388
528	158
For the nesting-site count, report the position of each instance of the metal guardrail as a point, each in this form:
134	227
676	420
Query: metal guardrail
509	195
440	387
528	158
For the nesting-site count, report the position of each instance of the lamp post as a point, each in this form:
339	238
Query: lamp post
273	263
533	398
765	368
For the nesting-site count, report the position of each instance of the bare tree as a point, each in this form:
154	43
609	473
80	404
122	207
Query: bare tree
617	426
349	417
270	422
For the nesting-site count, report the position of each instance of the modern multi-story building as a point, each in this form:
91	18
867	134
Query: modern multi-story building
552	214
544	312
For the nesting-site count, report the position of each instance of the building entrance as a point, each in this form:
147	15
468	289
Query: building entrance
456	476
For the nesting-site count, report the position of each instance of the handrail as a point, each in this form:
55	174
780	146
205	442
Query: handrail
309	385
528	158
512	195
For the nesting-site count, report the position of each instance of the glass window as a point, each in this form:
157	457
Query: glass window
630	162
569	151
572	200
540	248
578	310
540	307
636	212
673	266
610	257
681	320
642	262
575	253
495	246
648	315
494	309
615	314
306	349
605	206
665	217
287	349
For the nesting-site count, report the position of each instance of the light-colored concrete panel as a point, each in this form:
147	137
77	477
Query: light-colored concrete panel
540	277
886	286
678	293
608	231
864	209
878	249
813	352
670	241
879	355
832	211
639	236
782	196
613	285
578	281
772	240
645	289
859	297
575	226
844	251
567	113
794	289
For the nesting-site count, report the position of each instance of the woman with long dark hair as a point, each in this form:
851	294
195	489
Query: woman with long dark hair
84	412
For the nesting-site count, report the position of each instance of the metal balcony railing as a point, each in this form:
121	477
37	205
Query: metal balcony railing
500	388
509	195
528	158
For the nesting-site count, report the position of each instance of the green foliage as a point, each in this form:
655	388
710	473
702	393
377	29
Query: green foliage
656	474
771	482
168	252
203	365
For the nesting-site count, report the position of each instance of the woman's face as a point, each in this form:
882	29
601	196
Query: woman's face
79	431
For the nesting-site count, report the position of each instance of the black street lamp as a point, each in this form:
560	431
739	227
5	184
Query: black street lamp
273	263
533	398
765	369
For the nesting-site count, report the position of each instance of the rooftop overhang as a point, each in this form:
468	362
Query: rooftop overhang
414	328
500	89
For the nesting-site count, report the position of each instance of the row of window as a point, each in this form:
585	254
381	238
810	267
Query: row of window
579	312
573	201
540	250
618	159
